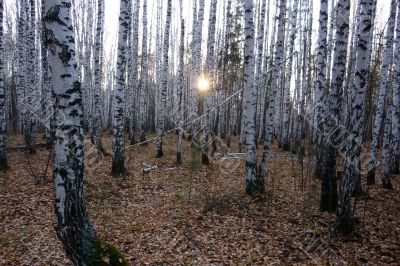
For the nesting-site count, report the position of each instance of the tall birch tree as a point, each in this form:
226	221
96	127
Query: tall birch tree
250	95
97	123
344	222
144	76
384	83
328	179
125	16
164	83
210	75
3	122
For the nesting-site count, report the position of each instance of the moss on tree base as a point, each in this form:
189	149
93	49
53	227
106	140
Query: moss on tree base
107	255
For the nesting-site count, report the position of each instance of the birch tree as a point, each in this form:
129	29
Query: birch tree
97	123
3	122
386	183
328	181
32	89
384	83
395	158
250	95
180	89
344	222
118	165
164	83
210	75
46	84
144	76
277	69
320	86
133	75
292	38
73	225
74	229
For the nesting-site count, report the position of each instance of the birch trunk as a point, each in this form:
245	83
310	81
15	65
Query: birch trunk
384	82
210	75
250	95
3	122
292	38
395	159
32	97
328	183
46	85
180	90
164	83
97	123
320	87
73	225
134	71
344	222
144	76
125	16
277	69
386	146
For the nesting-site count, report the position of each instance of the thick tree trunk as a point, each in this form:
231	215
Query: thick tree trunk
344	222
321	88
328	183
250	95
73	225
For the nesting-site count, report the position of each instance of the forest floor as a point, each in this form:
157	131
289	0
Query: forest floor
194	214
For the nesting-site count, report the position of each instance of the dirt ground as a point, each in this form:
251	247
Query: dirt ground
194	214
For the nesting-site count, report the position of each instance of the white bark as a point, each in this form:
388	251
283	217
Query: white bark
3	123
164	82
180	88
144	76
209	73
292	38
97	123
384	83
394	165
73	226
250	95
351	169
277	70
119	93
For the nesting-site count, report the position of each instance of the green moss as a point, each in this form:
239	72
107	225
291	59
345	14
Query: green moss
107	255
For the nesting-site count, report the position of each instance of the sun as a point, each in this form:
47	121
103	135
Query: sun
203	85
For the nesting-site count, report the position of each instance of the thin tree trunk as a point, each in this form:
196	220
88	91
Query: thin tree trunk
384	82
164	83
118	165
3	122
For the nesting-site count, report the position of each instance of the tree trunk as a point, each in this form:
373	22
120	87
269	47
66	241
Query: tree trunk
144	76
384	83
118	166
73	225
164	83
97	123
344	222
3	122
